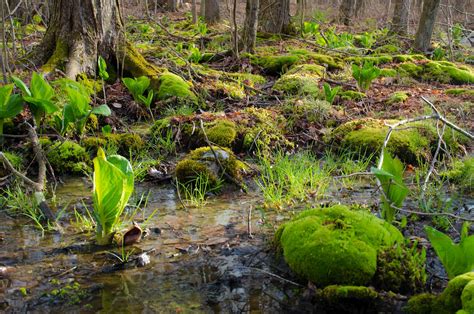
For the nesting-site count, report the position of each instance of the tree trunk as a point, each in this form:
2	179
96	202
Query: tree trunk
211	11
274	16
427	21
400	17
346	11
249	34
359	7
194	11
80	31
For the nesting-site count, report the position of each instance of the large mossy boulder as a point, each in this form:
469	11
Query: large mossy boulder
201	163
458	297
335	245
301	80
274	65
172	85
411	145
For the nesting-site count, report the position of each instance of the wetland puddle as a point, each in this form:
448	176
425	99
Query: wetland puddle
201	260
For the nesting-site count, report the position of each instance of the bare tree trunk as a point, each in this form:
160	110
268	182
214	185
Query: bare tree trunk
427	21
194	11
400	17
211	11
346	11
274	16
82	30
202	8
360	6
249	34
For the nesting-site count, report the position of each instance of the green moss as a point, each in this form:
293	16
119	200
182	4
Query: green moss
397	97
15	160
438	71
377	60
93	86
274	65
66	157
335	245
126	142
405	58
387	49
420	304
263	130
172	85
388	72
137	66
400	269
451	300
202	162
366	136
298	84
58	58
92	143
222	133
461	173
460	91
337	295
329	62
351	95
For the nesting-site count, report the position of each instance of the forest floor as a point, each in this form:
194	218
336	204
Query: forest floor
218	254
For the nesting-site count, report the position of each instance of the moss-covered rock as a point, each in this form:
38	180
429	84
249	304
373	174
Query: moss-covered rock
66	157
330	62
172	85
274	65
376	60
222	133
387	72
123	143
458	297
202	162
438	71
387	49
397	97
335	245
301	80
366	136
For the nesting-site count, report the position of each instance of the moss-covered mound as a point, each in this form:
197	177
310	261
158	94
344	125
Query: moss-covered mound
123	143
252	129
66	156
458	297
274	65
345	298
172	85
301	80
437	71
335	245
366	136
202	163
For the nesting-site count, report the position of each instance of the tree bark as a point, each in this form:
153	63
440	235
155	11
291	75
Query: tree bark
427	21
80	31
249	34
400	17
211	11
346	11
274	16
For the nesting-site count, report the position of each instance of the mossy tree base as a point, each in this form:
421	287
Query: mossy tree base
82	30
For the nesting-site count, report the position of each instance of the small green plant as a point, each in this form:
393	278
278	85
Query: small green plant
18	202
38	96
113	186
102	67
196	190
330	93
77	111
457	33
137	87
202	27
10	105
310	28
365	75
457	258
195	54
367	40
84	223
438	54
394	189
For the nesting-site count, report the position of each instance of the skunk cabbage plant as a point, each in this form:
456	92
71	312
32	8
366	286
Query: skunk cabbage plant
10	105
113	186
457	258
